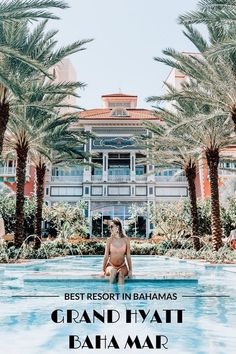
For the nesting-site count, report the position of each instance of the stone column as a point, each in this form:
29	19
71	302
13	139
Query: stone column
132	167
151	174
87	148
105	166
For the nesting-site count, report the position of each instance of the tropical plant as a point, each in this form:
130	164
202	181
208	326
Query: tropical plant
26	62
220	18
40	100
209	86
67	219
56	143
31	141
207	82
211	134
8	211
16	10
175	150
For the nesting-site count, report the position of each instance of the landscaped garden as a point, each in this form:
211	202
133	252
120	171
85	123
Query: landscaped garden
66	232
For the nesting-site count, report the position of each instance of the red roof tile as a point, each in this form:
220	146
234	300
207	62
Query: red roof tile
106	113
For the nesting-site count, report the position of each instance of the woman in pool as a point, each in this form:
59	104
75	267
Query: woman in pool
117	260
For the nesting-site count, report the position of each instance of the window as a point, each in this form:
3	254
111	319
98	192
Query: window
66	191
141	190
171	192
70	171
140	170
118	190
96	190
119	104
119	112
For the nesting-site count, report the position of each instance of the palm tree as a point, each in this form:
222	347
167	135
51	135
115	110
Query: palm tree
26	126
210	83
210	87
211	12
16	10
26	61
175	150
220	18
58	144
209	133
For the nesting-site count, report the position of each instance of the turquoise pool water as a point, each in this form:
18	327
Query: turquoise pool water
209	323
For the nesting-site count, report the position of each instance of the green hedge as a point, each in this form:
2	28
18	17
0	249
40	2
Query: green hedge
56	249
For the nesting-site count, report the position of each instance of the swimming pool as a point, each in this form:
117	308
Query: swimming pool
25	322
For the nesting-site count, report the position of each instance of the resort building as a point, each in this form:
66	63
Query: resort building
119	180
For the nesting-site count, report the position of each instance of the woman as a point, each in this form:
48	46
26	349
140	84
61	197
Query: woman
117	260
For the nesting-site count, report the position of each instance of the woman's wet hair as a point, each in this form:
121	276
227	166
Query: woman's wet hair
117	222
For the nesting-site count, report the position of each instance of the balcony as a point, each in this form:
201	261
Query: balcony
140	178
7	171
119	178
96	178
73	179
223	172
169	179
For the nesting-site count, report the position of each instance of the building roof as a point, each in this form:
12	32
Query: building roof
106	113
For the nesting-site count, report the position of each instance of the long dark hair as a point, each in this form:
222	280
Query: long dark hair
118	223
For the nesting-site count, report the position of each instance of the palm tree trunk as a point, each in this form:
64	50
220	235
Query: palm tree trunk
190	172
233	116
40	175
212	156
22	153
4	117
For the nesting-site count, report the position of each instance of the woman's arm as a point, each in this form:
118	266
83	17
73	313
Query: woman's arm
106	256
128	257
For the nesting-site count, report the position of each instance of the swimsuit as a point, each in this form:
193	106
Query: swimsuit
116	267
121	248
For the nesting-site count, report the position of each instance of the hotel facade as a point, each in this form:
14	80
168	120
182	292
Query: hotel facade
117	182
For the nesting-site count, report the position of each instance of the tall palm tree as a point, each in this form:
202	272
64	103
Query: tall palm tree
16	10
209	133
26	126
26	61
57	143
171	150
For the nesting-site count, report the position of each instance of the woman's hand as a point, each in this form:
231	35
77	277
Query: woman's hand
102	274
130	274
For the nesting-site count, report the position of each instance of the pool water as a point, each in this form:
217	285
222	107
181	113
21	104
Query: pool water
209	323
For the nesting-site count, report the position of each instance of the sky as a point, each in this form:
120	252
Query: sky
127	35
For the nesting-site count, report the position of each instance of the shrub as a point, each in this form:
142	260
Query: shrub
67	219
7	211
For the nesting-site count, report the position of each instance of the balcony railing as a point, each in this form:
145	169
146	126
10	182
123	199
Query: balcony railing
173	179
67	178
7	171
96	178
120	178
141	178
225	172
